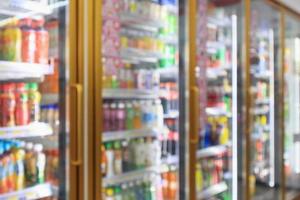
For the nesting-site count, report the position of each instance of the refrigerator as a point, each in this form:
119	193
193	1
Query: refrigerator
38	159
217	70
291	102
264	99
137	99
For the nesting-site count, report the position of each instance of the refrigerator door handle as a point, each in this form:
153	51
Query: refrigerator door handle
76	152
195	115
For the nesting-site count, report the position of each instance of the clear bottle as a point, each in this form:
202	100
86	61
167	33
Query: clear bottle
117	158
34	102
40	163
110	159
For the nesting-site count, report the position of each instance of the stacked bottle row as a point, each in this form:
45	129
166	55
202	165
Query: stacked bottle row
152	187
123	156
170	101
219	96
169	139
216	132
141	189
25	40
50	115
211	171
128	115
22	165
132	76
20	104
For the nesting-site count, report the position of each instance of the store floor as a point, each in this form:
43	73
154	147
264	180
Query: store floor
266	193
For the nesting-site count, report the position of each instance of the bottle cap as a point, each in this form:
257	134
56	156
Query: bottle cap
117	145
38	147
33	86
118	190
108	146
109	192
29	146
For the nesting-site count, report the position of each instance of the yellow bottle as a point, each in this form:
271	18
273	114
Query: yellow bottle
224	136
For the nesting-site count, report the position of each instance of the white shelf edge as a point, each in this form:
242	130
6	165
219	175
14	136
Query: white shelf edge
211	151
31	193
172	114
32	130
130	94
131	176
129	134
212	191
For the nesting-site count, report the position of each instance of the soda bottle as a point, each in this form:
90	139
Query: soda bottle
118	193
10	166
8	105
106	113
34	102
129	116
137	119
21	111
30	165
120	116
103	161
28	40
12	44
113	116
118	158
42	42
40	158
109	194
126	165
19	173
110	159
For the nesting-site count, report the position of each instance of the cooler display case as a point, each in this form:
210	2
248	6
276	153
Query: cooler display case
264	71
34	73
217	79
291	101
137	141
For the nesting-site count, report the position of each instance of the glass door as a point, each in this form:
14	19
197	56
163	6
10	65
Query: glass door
34	121
138	139
217	76
291	101
264	65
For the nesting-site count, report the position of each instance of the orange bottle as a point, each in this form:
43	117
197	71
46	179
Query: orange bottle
103	161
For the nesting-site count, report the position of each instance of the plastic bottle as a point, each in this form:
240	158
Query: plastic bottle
21	111
109	194
120	116
106	118
34	102
126	165
137	120
12	38
103	161
40	158
224	136
113	116
10	166
30	165
199	177
19	171
159	113
117	158
140	154
42	42
28	40
8	105
118	193
110	159
129	116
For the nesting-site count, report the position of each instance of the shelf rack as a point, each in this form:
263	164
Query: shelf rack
10	71
36	192
32	130
211	151
131	176
212	191
129	134
130	94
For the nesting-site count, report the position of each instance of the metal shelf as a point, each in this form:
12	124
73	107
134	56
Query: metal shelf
140	55
131	176
32	130
36	192
10	71
173	114
137	21
211	151
212	191
262	101
129	134
171	160
217	111
214	73
130	94
21	9
266	75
